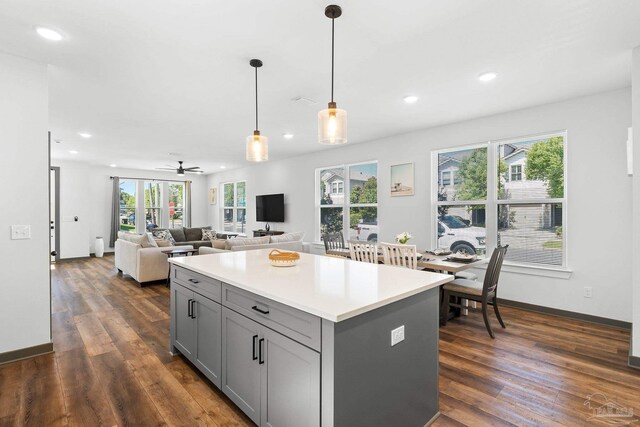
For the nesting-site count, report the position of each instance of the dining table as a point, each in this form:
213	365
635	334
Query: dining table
439	263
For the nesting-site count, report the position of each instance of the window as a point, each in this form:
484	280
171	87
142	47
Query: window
234	211
176	204
516	173
152	204
128	205
461	207
355	216
525	211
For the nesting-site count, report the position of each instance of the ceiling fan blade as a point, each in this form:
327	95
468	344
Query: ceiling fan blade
192	168
166	169
188	171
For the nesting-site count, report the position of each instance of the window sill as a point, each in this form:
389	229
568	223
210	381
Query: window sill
534	270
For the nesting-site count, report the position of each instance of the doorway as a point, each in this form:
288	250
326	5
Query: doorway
54	213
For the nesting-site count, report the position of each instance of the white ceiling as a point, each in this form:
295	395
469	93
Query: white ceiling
147	78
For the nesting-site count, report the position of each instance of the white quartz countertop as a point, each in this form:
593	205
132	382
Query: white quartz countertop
332	288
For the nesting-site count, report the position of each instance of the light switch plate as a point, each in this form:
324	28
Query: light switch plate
20	232
397	335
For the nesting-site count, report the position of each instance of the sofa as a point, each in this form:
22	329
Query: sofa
137	256
288	242
186	236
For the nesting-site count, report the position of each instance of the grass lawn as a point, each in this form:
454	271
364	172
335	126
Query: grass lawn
552	244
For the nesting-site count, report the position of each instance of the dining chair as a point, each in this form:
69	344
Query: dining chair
333	241
473	290
363	251
400	255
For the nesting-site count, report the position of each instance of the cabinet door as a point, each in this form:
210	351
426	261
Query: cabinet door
208	325
183	323
240	368
290	383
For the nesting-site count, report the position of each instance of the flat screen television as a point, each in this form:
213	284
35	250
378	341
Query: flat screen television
270	208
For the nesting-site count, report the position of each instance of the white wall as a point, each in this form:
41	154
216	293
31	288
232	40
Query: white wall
24	264
599	207
85	191
635	351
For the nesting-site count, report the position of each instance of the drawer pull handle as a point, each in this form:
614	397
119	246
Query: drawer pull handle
255	337
255	307
261	361
194	281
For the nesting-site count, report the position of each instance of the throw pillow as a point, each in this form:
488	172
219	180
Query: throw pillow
288	237
219	243
166	235
163	243
208	234
230	243
152	241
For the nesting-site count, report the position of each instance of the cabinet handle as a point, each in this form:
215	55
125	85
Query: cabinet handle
193	309
261	361
255	337
255	307
189	307
194	281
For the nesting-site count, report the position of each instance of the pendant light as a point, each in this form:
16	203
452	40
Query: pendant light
257	145
332	122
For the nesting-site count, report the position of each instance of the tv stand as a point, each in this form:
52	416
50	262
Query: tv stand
262	233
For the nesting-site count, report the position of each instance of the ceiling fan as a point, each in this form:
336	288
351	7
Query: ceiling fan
181	170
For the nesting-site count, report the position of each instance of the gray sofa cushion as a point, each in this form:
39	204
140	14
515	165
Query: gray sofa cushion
178	235
192	234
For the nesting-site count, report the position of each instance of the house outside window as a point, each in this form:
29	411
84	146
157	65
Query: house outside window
234	210
446	178
356	216
525	211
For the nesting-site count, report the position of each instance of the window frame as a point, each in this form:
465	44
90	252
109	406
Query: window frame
492	202
346	205
235	208
512	173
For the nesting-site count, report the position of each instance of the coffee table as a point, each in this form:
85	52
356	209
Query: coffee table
171	253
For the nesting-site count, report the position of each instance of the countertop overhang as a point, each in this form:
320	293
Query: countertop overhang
332	288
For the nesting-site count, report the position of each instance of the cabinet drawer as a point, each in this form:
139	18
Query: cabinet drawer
206	286
298	325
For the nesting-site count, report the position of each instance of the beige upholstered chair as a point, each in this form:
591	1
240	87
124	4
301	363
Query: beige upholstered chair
400	255
363	251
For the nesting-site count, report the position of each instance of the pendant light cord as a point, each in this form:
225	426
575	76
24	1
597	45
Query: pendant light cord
332	53
256	98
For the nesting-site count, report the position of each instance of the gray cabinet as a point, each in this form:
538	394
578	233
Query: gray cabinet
197	327
272	378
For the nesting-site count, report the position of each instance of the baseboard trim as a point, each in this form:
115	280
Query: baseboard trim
25	353
634	361
565	313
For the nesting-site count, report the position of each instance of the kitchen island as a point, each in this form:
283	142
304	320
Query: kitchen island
328	342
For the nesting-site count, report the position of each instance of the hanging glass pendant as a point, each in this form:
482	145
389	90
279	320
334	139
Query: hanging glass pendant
257	147
332	125
332	122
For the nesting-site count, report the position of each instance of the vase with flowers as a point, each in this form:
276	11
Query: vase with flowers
403	238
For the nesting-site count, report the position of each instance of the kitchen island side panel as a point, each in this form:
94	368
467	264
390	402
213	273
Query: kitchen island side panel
373	383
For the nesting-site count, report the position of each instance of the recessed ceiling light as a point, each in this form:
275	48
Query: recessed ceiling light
487	77
113	165
84	134
73	152
411	99
223	167
49	34
287	135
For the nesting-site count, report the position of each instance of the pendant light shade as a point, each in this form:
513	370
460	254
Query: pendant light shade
257	145
332	122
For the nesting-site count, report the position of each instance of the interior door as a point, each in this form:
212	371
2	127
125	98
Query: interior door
54	212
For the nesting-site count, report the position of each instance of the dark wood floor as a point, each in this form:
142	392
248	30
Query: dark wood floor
111	365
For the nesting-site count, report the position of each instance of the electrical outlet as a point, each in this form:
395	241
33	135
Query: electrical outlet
588	292
397	335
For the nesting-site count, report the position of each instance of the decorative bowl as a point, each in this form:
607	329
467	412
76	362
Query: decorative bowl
279	258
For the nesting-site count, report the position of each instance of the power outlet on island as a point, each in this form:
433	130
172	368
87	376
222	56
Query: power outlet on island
397	335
